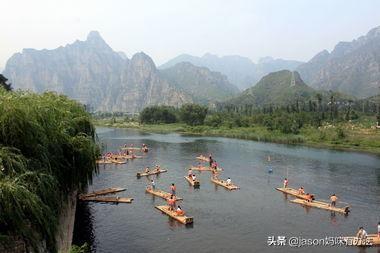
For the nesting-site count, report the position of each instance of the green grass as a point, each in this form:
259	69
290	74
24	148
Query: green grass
357	136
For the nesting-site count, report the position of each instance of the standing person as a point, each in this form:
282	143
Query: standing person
378	229
210	160
333	199
153	184
286	182
171	203
172	189
228	181
189	172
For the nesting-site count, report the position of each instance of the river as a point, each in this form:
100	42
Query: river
225	221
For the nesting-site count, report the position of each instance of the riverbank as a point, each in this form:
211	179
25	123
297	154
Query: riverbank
347	136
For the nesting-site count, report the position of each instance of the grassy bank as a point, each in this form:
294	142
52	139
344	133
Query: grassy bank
343	136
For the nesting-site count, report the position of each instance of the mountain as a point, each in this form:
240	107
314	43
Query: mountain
199	82
241	71
81	70
352	67
92	73
140	85
277	88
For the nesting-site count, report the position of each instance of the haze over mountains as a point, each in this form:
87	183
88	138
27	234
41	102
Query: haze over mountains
352	67
240	71
93	73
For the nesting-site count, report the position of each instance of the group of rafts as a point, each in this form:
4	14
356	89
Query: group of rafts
121	157
172	209
308	200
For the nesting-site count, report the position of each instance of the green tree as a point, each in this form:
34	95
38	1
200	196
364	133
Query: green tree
4	83
193	114
158	114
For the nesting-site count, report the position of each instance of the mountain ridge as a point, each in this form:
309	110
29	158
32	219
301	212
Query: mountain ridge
351	67
91	72
241	71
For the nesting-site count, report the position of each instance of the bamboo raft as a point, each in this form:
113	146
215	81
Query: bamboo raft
131	148
195	183
127	157
372	240
203	158
224	184
101	161
204	168
322	205
183	219
108	199
292	192
161	194
118	161
102	192
154	172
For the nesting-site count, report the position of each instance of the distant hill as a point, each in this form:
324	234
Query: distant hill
352	67
92	73
200	83
281	88
240	71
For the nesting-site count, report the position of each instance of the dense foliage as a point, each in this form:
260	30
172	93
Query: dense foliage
47	150
4	83
158	114
287	119
191	114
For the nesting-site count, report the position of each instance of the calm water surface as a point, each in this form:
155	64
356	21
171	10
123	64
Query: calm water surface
224	221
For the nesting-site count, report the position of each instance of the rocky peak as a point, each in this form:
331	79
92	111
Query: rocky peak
143	61
321	56
374	33
95	40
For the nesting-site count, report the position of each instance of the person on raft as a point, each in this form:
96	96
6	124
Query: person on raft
214	174
153	184
309	197
158	167
179	211
189	172
286	182
214	165
171	203
147	169
210	160
301	191
193	177
333	199
378	229
228	181
172	189
361	234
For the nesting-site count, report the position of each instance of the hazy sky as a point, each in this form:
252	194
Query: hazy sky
291	29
